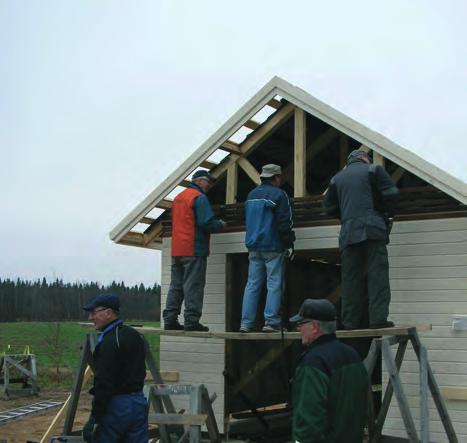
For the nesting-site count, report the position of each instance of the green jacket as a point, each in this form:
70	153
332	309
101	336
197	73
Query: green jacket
330	394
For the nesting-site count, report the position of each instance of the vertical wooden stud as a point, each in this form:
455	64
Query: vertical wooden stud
378	159
232	181
343	150
300	153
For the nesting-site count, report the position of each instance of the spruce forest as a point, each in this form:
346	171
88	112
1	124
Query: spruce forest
41	300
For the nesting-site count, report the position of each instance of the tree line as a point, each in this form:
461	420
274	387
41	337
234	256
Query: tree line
40	300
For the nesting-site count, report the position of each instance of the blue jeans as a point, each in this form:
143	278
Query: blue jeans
126	420
263	266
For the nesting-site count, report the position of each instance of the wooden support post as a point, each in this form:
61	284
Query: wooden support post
195	407
393	372
211	423
232	181
78	383
300	153
435	392
250	170
343	150
378	159
388	393
424	412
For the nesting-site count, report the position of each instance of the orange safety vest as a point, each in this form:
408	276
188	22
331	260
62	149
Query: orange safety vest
183	223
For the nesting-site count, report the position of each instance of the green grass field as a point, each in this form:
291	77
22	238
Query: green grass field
54	344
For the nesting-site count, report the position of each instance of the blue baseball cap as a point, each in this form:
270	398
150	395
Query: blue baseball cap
105	300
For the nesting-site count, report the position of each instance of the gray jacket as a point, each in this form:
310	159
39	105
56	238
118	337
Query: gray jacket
363	197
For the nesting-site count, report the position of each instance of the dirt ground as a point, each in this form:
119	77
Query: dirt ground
32	428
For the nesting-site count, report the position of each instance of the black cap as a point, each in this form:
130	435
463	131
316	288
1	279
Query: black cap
203	173
315	310
358	154
104	300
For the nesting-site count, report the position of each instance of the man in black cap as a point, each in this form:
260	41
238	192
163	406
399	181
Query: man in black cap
119	410
192	222
363	196
330	386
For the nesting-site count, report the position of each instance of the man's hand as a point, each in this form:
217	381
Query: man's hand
289	253
89	429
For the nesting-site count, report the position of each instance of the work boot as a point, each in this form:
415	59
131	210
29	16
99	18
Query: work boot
386	324
196	327
271	328
174	326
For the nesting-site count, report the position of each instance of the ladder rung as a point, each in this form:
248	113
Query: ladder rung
178	419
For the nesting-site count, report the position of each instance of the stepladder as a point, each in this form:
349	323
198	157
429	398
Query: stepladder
394	388
191	422
180	429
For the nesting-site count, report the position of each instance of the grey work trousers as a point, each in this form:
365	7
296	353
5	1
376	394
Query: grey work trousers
188	277
365	266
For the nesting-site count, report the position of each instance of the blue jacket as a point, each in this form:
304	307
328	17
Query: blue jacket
268	217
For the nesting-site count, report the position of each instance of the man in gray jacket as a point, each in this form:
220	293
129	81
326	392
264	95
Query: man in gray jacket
363	196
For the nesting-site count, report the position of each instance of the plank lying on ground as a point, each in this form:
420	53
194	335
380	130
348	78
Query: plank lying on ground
397	330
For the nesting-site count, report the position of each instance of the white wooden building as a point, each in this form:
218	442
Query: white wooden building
428	251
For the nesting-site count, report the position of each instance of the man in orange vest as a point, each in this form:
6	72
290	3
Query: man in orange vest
192	222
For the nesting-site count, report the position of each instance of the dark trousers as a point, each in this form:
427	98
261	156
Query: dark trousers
126	420
188	277
365	265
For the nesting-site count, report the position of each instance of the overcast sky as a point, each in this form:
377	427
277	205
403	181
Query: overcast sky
101	100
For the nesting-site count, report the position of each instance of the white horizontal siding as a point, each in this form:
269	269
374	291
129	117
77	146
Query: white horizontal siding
198	360
428	274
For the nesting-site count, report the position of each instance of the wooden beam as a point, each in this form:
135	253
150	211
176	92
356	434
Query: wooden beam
276	104
397	174
300	153
232	147
262	363
343	150
232	182
250	170
257	137
147	220
454	393
133	239
396	330
208	164
251	124
152	233
312	150
164	204
378	159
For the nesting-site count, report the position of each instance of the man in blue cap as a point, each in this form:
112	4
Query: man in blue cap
330	385
119	409
363	196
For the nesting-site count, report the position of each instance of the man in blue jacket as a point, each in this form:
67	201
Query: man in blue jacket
269	237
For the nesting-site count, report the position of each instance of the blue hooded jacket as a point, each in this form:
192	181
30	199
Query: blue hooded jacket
268	216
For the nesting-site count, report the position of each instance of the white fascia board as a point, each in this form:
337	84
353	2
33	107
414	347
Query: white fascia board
300	98
232	125
373	140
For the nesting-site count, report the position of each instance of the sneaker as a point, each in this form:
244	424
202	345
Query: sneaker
245	329
272	328
386	324
175	326
196	327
